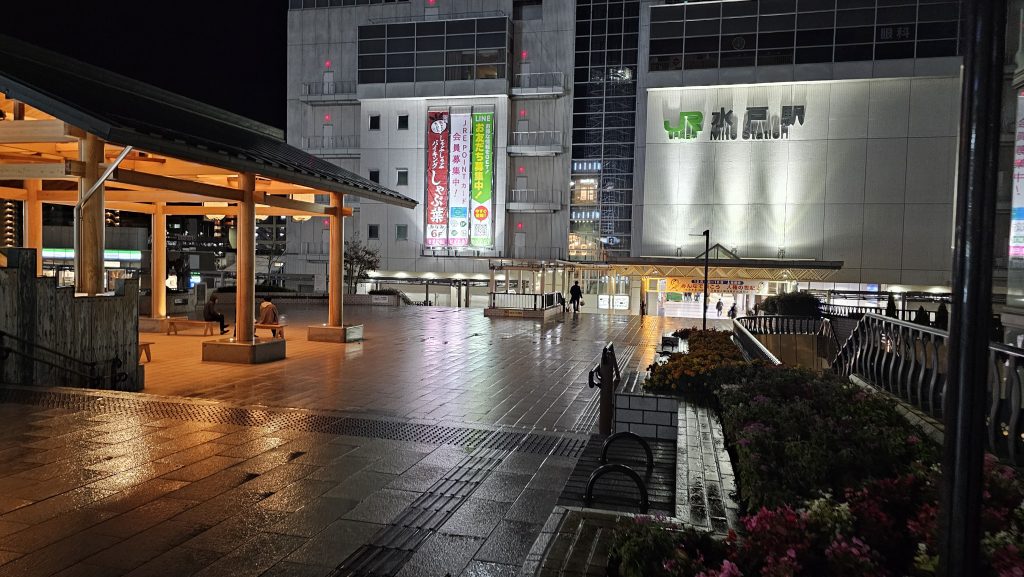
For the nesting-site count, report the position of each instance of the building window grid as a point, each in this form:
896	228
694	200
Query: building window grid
417	60
892	36
308	4
607	83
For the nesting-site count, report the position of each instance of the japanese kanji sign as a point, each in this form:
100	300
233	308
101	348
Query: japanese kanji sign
436	206
481	164
459	180
1017	207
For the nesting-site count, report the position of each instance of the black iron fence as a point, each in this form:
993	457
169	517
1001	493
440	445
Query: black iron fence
909	360
532	302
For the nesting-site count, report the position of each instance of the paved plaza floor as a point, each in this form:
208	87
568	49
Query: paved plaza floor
438	446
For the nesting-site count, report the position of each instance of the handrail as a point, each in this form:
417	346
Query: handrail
791	325
909	361
321	88
588	496
749	344
536	138
539	80
628	435
89	374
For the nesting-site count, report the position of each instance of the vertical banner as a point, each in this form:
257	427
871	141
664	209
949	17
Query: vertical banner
436	209
1017	206
482	161
458	180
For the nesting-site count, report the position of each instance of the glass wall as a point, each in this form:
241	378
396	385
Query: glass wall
469	49
749	33
604	116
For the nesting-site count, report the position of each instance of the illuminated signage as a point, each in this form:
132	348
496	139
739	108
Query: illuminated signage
108	255
758	124
687	285
436	208
481	195
459	180
1017	206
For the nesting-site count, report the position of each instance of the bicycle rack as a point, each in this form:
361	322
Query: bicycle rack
606	377
588	497
628	435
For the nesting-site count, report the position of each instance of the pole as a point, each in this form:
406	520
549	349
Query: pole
707	249
336	264
959	516
158	263
245	271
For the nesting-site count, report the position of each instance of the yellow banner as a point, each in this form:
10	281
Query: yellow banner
690	285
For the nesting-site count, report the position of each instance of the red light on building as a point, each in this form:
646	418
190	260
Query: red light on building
431	2
523	55
519	225
522	169
522	113
327	118
327	63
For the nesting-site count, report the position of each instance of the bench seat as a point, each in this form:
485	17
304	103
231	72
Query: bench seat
209	327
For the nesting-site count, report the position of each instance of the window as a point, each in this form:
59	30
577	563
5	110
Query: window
402	232
403	122
374	122
375	175
403	177
373	232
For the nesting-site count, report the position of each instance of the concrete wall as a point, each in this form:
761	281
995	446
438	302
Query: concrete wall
866	179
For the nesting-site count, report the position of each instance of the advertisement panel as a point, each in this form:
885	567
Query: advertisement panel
696	285
436	209
482	162
1017	207
459	180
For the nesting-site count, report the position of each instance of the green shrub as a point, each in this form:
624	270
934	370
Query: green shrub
799	304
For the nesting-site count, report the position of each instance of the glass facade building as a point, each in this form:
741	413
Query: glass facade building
603	137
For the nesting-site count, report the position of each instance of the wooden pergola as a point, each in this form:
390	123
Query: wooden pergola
133	147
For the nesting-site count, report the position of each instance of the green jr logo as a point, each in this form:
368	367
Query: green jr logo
690	125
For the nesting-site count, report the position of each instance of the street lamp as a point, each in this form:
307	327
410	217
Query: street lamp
707	249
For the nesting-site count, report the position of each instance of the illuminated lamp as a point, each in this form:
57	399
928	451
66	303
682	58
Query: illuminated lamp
214	204
522	170
522	113
523	55
327	118
327	63
303	198
519	226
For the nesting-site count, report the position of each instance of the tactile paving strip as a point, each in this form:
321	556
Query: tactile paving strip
390	549
471	438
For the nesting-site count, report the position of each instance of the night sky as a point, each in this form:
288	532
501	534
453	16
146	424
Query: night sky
228	53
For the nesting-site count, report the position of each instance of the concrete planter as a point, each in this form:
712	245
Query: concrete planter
650	416
373	300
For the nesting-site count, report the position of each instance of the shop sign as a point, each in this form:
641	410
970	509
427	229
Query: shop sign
436	208
687	285
759	123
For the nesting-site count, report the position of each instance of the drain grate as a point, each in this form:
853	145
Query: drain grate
469	438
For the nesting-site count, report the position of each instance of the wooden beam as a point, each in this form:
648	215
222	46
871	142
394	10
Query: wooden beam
140	207
35	170
176	184
8	193
38	131
283	202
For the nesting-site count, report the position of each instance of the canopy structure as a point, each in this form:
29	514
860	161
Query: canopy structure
131	146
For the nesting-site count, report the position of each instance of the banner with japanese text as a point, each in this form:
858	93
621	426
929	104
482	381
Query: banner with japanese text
482	163
1017	200
436	205
459	180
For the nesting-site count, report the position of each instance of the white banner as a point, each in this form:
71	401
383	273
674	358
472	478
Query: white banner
459	180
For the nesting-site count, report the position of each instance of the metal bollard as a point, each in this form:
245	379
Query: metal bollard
607	378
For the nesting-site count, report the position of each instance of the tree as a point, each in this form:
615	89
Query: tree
890	307
359	261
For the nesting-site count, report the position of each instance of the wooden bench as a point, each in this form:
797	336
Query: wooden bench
209	327
278	328
144	350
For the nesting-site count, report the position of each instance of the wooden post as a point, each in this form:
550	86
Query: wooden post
90	241
245	273
158	264
336	265
34	221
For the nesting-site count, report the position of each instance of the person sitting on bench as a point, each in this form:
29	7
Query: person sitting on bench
269	315
210	313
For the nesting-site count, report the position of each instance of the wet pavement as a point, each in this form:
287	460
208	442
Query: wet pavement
440	445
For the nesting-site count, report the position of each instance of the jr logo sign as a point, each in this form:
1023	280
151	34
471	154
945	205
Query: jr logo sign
689	126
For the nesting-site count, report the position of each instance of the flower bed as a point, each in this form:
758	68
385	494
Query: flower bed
694	372
836	481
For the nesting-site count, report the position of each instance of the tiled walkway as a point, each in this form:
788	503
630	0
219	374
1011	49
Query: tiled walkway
418	452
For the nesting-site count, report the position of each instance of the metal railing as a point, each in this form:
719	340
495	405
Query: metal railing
452	16
331	142
90	374
539	82
790	325
909	360
532	196
851	310
341	87
748	343
531	302
537	138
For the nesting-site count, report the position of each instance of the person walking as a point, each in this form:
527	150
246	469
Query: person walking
269	314
719	307
576	296
210	313
732	311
